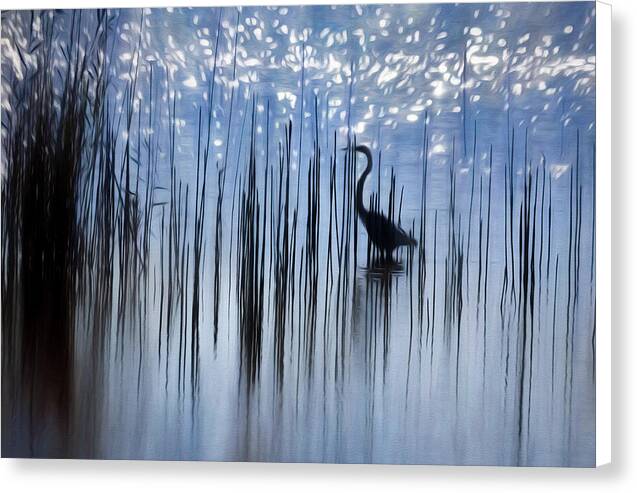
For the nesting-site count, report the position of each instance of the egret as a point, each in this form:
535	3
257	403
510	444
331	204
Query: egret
385	235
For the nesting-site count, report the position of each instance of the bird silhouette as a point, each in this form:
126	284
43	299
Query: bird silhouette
385	235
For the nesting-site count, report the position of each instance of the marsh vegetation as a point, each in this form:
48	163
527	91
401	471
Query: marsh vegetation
185	276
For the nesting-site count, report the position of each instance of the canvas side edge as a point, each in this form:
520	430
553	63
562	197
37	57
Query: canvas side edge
603	219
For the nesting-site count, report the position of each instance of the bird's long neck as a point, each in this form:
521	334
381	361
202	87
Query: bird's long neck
360	185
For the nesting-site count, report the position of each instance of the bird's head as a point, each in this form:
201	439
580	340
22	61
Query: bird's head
359	148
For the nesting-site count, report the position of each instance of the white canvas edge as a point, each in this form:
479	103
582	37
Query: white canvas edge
603	314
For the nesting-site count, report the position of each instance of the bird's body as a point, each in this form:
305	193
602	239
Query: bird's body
385	235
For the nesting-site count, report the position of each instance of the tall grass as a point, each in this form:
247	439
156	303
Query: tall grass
110	245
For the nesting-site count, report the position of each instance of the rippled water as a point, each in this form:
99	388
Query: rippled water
253	324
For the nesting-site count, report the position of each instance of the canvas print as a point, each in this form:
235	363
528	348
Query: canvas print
344	234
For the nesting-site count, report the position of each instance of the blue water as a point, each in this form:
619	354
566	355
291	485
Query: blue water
492	95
